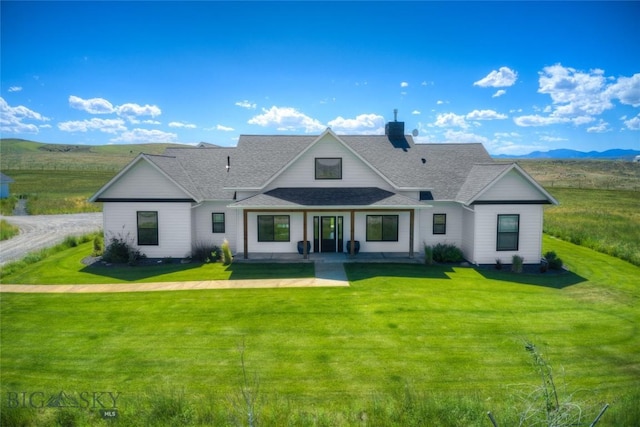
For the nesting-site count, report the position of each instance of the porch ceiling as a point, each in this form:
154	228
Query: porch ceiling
329	197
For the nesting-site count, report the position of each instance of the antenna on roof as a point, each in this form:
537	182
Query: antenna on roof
395	114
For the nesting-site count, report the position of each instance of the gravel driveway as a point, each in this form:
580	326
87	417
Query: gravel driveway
41	231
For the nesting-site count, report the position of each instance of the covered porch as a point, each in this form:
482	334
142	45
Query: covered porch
328	221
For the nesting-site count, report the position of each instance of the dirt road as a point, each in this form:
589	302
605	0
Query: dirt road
41	231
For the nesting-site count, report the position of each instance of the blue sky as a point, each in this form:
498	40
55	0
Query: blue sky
516	76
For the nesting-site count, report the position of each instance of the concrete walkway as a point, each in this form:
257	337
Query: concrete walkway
327	275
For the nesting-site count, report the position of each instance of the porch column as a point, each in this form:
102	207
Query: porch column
246	234
411	221
305	253
352	247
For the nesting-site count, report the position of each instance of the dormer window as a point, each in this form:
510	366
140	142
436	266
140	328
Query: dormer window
328	168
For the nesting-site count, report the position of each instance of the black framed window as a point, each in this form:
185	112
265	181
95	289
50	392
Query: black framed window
147	227
426	195
273	228
217	222
382	228
508	232
439	223
328	168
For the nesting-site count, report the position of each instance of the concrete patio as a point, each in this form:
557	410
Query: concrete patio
336	257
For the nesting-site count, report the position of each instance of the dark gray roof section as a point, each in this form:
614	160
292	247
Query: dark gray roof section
327	197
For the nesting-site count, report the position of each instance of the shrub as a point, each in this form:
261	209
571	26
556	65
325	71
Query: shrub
227	257
447	253
205	252
120	250
498	264
516	263
553	261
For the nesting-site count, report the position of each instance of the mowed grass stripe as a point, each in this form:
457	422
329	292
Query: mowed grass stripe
441	329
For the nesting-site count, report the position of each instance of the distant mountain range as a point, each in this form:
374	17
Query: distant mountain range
563	153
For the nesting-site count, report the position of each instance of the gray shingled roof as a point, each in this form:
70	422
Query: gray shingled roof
449	171
479	177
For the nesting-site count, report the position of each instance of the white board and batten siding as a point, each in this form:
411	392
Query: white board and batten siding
143	179
355	172
512	186
486	233
174	226
203	224
454	228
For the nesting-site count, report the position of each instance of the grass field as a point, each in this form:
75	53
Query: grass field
605	220
403	345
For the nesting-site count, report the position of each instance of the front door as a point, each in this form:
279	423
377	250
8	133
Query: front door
327	232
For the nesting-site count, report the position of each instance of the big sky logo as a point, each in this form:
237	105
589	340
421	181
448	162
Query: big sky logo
62	399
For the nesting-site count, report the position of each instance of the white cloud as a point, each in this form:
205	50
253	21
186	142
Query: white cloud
547	138
103	125
151	122
633	123
575	92
507	135
182	125
504	77
130	109
224	128
103	106
144	136
450	120
498	93
12	119
485	115
460	136
364	124
15	88
246	104
286	119
538	120
416	112
93	105
404	84
599	128
627	90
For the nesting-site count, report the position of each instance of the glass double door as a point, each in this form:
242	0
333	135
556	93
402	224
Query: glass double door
327	233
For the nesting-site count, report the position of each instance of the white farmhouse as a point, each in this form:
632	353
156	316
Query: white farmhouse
337	193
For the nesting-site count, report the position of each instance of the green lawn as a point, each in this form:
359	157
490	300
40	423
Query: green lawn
400	337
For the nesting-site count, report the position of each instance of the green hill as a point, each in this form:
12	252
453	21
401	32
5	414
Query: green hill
20	154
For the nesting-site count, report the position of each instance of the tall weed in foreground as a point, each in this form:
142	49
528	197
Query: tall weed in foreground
544	405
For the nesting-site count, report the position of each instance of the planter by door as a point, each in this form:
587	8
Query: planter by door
356	246
301	247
